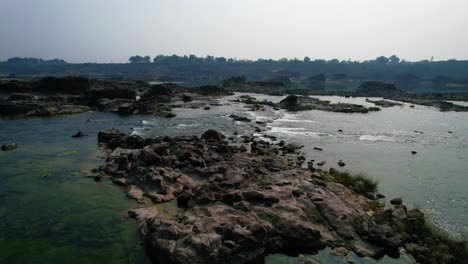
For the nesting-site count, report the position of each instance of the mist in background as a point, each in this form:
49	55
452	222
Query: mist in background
111	31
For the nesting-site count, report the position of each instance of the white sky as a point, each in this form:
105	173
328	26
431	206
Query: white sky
113	30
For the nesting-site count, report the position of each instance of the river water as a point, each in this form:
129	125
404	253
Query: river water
51	213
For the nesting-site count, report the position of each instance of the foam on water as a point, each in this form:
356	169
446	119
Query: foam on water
186	126
146	122
295	131
376	138
294	120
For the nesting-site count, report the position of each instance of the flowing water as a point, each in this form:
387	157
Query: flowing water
51	213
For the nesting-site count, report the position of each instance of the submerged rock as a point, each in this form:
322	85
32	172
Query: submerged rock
240	118
300	103
79	134
341	163
8	147
396	201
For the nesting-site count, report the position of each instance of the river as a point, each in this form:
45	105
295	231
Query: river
50	212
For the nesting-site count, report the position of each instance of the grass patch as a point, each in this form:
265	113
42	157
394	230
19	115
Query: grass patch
442	244
358	182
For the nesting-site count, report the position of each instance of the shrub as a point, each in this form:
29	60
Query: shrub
359	182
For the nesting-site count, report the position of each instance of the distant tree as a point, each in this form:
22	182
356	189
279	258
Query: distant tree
174	58
192	58
139	59
209	58
18	60
394	59
306	59
283	60
334	61
382	60
221	59
158	58
135	59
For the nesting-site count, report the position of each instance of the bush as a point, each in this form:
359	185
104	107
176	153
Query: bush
360	183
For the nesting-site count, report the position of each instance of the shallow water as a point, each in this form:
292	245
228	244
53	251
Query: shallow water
324	256
51	213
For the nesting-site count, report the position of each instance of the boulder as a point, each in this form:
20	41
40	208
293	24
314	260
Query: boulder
396	201
212	134
8	147
290	102
135	192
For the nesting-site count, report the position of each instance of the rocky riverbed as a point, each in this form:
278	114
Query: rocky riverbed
237	206
52	96
365	89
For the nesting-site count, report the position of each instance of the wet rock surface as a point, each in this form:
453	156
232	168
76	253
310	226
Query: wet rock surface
300	103
9	147
236	206
51	96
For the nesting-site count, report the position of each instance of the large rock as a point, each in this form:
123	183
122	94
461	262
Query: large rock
111	90
237	206
290	102
63	85
165	89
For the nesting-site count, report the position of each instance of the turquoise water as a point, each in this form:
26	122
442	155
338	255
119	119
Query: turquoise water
51	213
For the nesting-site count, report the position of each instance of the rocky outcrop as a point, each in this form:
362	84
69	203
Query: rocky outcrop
62	85
48	85
165	89
383	103
40	107
237	206
112	89
377	89
300	103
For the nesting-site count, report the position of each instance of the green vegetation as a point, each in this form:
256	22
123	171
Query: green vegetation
358	182
441	243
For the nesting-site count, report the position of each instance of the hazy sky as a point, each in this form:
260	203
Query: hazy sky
113	30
